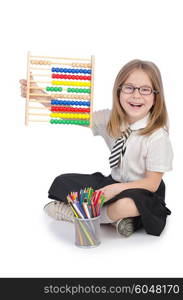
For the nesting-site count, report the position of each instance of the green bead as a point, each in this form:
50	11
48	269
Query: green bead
47	88
89	91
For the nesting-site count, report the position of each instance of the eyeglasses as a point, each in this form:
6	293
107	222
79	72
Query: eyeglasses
143	90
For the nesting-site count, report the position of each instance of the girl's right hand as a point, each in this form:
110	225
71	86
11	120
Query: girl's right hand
23	87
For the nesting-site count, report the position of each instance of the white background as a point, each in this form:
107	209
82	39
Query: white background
31	157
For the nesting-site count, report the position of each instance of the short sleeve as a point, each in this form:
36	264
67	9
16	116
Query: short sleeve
100	120
159	154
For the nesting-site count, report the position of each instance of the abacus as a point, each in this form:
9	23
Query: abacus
61	90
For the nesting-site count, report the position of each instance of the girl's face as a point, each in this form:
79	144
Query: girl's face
137	105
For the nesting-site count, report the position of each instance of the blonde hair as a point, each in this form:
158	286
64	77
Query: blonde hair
158	113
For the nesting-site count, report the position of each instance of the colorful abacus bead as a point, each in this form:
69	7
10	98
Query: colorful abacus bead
73	122
76	77
69	116
71	90
63	102
70	83
65	70
53	89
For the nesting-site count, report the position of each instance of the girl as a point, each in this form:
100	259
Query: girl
136	132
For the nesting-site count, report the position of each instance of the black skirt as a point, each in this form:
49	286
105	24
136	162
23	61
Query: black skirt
151	206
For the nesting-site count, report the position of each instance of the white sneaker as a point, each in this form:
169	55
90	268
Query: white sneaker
59	211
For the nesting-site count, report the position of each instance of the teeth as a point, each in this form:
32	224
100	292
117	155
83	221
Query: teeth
135	104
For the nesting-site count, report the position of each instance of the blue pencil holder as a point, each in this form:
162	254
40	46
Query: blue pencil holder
87	232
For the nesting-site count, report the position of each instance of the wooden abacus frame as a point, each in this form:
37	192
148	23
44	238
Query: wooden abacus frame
46	63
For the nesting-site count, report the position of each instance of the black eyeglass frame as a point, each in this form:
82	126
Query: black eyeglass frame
138	88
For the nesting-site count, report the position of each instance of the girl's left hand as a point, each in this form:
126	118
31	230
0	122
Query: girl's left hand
111	190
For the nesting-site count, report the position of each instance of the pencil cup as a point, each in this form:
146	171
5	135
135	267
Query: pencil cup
87	232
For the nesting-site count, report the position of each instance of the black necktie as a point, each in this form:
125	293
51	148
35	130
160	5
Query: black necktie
119	149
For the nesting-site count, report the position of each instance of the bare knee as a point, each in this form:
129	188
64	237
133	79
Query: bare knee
123	208
128	205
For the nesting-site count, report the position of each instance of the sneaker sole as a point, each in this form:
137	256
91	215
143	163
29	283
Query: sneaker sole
56	216
125	227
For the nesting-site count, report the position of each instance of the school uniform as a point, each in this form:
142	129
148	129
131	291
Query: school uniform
142	153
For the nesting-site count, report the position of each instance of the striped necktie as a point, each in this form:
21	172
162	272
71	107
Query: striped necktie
119	149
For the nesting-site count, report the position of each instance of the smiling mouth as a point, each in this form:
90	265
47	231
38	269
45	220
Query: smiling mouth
135	105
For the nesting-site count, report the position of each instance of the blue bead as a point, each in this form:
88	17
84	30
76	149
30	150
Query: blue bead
89	71
53	69
64	70
57	70
69	70
77	103
61	70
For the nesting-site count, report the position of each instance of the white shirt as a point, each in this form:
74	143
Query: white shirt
143	153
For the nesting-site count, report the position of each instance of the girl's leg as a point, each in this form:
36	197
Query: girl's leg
122	208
